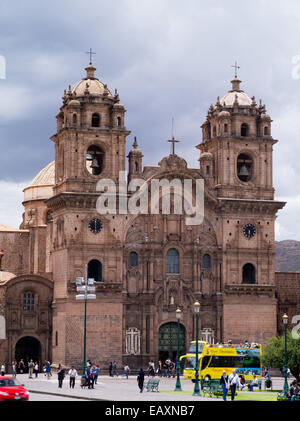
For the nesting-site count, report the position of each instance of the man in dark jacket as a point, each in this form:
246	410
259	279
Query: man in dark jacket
140	379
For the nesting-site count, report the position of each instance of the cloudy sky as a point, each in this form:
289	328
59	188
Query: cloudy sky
168	58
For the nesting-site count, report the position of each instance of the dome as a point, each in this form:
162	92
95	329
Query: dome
6	276
94	86
206	155
231	96
41	187
74	103
224	114
236	94
265	116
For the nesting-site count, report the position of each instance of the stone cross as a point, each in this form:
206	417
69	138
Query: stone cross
173	141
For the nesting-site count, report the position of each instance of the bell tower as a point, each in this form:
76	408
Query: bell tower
91	136
236	162
237	132
89	146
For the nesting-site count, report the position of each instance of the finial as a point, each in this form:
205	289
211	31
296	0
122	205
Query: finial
236	67
135	144
90	53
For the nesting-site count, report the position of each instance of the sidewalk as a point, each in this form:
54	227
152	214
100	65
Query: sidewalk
113	389
121	389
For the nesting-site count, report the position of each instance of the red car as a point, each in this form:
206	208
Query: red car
12	389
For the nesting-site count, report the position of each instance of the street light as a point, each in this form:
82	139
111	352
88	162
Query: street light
196	388
85	287
285	387
178	317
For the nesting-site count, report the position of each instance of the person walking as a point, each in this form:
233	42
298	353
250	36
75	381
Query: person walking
234	383
48	370
92	377
36	370
126	371
73	374
2	370
14	368
60	375
224	384
110	369
114	369
88	376
21	366
96	373
30	369
140	379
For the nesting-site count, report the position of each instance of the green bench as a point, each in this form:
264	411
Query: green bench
212	389
152	385
282	397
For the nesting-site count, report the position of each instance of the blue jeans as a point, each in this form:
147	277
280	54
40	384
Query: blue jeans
225	391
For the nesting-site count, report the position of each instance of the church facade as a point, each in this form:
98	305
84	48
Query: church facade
145	265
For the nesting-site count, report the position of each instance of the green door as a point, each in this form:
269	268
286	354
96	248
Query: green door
167	341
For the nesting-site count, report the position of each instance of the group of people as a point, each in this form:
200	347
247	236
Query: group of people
229	344
234	382
21	368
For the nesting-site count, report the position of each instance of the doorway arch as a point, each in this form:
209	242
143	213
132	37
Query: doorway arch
167	341
27	348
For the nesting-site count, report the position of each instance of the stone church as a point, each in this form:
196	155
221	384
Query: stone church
145	265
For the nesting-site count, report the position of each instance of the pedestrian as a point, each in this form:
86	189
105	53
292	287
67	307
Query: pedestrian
140	379
92	377
2	370
21	366
224	384
234	383
36	370
14	368
159	369
114	369
96	372
60	375
48	370
88	376
126	371
73	374
110	369
30	368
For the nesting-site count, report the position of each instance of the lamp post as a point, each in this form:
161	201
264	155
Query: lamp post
196	388
85	287
285	387
178	317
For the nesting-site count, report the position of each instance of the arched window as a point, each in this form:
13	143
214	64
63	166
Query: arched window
244	167
172	261
74	118
136	167
94	160
266	130
249	274
95	270
119	121
244	129
133	259
95	120
28	301
214	131
206	261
